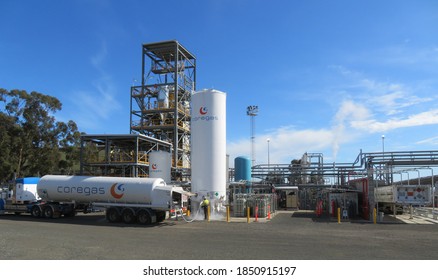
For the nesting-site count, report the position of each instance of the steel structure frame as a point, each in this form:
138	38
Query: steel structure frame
167	65
377	166
121	155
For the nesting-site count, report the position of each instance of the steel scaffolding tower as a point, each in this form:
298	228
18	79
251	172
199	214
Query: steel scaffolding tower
160	106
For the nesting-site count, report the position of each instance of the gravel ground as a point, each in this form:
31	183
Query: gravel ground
288	236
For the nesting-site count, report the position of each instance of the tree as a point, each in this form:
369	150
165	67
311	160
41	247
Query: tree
31	140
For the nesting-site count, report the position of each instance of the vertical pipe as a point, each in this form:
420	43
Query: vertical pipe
375	216
208	212
130	111
175	108
228	213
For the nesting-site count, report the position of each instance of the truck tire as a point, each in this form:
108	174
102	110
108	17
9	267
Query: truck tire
113	215
48	212
128	216
143	217
36	211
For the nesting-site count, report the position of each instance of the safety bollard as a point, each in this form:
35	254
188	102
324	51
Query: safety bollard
188	213
375	216
247	215
269	212
339	215
228	213
256	213
208	213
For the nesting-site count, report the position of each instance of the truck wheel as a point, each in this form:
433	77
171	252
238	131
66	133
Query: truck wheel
48	212
128	216
143	217
36	211
112	214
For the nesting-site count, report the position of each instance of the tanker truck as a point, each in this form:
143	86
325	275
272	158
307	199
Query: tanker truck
143	200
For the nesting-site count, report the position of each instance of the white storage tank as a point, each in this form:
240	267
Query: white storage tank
208	147
160	165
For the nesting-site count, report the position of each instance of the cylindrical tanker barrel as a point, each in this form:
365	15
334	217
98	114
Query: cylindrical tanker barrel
86	189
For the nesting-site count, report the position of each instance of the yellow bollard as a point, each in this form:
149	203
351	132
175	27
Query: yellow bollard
188	213
208	213
247	214
228	213
375	216
339	215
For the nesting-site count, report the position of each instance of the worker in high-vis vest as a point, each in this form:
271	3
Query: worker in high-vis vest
204	205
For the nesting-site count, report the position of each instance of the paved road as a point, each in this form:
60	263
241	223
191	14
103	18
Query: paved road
288	236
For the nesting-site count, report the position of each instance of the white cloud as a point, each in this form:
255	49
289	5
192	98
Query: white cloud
286	144
428	141
347	112
98	104
420	119
390	98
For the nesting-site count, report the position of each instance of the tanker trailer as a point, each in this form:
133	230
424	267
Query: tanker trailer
146	200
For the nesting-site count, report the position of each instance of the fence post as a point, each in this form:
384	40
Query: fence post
339	215
375	216
247	214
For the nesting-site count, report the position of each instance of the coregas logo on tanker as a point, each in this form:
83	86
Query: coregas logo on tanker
204	116
117	191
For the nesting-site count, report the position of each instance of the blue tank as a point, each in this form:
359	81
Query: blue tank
242	169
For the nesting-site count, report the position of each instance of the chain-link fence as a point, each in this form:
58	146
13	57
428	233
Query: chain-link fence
262	203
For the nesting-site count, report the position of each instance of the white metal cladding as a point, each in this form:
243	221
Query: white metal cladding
84	189
160	165
208	137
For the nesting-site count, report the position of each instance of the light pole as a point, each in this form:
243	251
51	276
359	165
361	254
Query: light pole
252	111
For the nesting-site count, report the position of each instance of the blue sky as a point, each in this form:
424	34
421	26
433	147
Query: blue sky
329	77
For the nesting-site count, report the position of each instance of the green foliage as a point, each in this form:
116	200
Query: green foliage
32	142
